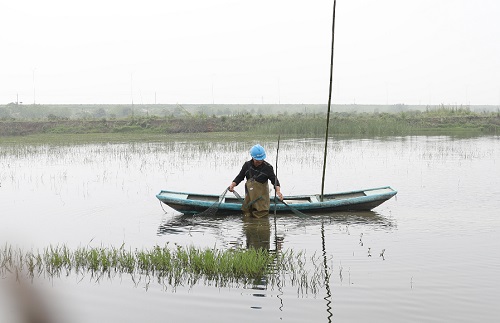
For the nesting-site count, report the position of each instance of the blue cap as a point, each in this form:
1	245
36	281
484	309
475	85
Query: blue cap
257	152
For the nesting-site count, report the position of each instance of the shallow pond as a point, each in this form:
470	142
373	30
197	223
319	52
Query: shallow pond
431	254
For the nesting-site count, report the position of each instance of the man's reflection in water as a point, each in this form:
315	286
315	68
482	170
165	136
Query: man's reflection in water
258	236
257	232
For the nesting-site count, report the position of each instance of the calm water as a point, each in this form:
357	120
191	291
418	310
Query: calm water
429	255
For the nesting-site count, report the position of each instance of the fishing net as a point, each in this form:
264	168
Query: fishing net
212	210
291	208
238	196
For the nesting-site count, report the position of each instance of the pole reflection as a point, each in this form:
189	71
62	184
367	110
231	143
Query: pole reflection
328	297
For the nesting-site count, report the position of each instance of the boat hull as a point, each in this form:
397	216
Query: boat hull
360	200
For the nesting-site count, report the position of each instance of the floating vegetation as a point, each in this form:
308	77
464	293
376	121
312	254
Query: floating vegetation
177	266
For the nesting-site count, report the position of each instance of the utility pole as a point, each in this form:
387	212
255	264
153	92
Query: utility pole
34	96
132	94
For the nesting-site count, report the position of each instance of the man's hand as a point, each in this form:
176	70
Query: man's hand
278	192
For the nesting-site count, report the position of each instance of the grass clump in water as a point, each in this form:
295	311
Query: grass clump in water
173	267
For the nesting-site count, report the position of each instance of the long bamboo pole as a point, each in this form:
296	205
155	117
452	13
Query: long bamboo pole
275	182
329	103
276	178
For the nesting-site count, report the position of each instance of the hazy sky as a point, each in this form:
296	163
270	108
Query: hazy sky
260	51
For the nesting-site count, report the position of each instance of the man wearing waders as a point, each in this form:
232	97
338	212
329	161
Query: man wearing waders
257	173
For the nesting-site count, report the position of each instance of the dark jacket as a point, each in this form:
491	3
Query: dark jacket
262	173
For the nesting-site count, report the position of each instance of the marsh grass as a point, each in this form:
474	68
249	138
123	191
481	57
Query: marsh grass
444	119
177	266
384	124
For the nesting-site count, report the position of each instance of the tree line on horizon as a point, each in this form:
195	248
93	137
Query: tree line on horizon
13	111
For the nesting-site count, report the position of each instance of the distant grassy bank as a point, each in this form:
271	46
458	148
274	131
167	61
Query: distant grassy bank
438	120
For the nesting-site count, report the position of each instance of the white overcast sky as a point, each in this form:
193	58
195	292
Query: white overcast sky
259	51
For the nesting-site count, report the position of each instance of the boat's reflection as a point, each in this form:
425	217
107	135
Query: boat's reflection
254	228
367	218
182	224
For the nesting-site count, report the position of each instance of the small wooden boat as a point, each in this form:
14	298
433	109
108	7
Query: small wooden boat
361	200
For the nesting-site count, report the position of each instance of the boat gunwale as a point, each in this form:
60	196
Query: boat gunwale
287	197
309	206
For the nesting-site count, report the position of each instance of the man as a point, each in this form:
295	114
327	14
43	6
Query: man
257	173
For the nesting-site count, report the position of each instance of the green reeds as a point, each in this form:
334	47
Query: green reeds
401	121
177	266
382	124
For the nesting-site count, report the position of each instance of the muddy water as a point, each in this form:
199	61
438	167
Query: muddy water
429	255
